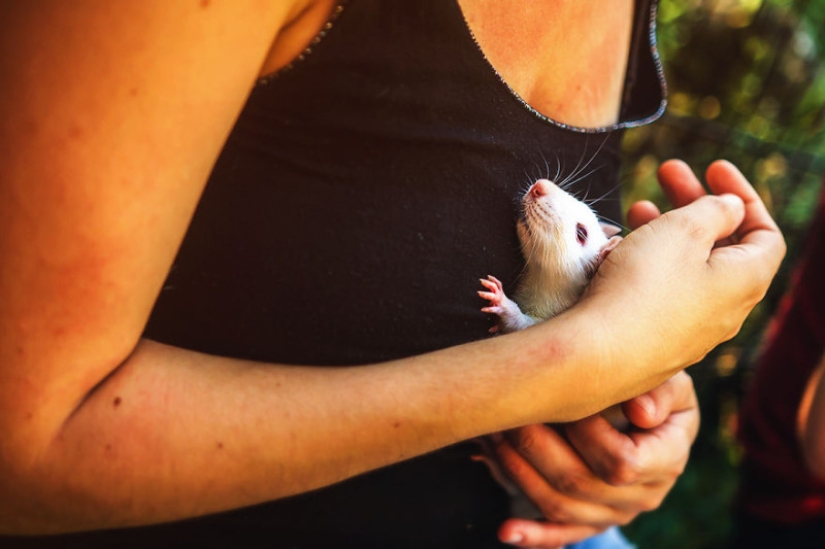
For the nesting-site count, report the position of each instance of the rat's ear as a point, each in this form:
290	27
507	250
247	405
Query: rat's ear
608	247
610	230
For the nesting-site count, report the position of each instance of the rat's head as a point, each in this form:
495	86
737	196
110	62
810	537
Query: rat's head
560	234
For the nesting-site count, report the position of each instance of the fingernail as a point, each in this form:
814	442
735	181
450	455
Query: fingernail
731	199
514	538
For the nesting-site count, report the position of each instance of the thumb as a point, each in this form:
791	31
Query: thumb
653	408
710	219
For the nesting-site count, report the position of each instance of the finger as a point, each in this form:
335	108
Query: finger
642	212
567	491
667	449
649	459
709	219
758	229
562	487
540	452
569	502
679	183
653	408
760	246
613	457
528	533
724	177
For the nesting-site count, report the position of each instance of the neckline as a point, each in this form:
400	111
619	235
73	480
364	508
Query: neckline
637	41
336	12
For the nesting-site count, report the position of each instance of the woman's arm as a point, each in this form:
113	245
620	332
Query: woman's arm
593	477
111	116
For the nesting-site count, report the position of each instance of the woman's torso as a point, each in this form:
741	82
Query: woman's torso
365	189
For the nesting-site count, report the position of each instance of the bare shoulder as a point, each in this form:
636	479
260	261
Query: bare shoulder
111	117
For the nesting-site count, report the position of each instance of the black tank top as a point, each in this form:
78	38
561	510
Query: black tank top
363	192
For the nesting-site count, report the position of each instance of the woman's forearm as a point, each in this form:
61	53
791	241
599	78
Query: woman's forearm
104	154
174	433
171	433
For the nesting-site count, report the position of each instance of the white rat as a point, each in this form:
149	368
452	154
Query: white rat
563	244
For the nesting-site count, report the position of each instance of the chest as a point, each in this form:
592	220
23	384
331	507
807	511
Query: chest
566	58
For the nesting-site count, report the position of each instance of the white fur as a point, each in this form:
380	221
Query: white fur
558	266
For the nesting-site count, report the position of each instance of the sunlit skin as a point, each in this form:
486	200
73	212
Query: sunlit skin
571	73
111	117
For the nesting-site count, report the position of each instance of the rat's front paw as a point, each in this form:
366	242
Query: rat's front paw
494	294
510	317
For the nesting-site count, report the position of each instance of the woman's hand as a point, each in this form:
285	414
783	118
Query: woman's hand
727	250
586	476
683	281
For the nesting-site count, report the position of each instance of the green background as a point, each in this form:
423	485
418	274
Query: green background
746	83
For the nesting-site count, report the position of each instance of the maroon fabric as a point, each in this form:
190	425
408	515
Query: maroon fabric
776	484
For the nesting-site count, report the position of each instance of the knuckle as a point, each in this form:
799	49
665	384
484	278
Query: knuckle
624	471
514	468
554	511
755	287
690	226
651	503
571	484
524	441
728	207
732	333
676	470
695	231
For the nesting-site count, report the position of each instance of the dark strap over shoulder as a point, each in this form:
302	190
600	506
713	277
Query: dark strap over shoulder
360	197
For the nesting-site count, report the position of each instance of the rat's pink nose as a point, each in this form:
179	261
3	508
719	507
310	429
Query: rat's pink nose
540	188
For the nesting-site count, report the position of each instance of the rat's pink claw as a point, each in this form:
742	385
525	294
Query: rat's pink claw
496	293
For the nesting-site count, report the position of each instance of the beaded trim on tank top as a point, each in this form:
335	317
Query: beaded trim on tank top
651	43
333	17
660	75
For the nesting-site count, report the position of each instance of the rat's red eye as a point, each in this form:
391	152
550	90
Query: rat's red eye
581	234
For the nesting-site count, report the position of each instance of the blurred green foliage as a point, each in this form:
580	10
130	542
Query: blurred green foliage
746	82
